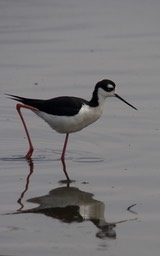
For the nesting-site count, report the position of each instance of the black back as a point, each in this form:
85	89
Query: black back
60	106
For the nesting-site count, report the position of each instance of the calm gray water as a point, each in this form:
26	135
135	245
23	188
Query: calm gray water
51	48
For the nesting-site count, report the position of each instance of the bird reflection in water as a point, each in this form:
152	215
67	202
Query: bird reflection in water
69	204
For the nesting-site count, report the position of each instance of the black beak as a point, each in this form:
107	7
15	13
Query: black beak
116	95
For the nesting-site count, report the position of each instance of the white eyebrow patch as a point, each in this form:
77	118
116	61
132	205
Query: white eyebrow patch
110	86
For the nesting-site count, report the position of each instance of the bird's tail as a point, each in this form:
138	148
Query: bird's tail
36	103
17	98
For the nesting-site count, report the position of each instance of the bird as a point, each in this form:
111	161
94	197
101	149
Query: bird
67	114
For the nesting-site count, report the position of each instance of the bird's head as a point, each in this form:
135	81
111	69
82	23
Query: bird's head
106	88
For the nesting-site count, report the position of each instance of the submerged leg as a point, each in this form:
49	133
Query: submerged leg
31	149
64	147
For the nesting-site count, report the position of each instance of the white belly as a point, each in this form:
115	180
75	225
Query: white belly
69	124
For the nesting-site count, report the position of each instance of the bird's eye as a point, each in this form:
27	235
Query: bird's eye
110	87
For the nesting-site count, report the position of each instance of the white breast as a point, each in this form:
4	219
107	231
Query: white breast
69	124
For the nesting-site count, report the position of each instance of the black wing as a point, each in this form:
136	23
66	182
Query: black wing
60	106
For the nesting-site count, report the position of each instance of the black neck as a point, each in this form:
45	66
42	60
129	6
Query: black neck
94	100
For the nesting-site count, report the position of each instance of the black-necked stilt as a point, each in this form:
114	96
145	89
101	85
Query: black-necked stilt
68	114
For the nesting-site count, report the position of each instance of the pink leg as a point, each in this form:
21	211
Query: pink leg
64	147
65	171
31	149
